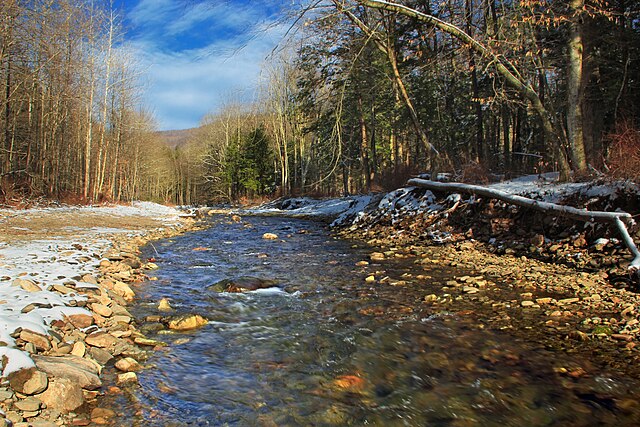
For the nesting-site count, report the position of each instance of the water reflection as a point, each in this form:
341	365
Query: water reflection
332	350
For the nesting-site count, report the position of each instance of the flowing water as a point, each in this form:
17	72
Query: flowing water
328	349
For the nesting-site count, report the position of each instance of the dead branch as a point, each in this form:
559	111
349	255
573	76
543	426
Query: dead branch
620	219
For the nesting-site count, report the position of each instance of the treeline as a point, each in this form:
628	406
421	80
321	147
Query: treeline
370	92
365	94
70	126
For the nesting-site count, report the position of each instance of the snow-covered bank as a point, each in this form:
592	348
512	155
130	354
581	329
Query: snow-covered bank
306	207
410	201
416	213
49	262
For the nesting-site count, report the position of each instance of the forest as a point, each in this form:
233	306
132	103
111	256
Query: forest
361	96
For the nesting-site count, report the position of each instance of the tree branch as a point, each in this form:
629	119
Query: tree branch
502	66
619	219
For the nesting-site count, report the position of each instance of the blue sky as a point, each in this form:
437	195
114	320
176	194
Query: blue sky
199	55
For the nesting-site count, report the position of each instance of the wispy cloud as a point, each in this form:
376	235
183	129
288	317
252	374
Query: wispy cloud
199	55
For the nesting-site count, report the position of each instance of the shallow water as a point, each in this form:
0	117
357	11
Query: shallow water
328	349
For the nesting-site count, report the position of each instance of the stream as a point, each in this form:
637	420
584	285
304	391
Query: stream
326	348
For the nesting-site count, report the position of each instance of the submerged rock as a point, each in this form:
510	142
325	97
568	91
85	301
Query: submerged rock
242	284
186	322
164	305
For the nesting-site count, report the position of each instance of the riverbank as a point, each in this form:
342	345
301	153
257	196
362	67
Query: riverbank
67	276
560	281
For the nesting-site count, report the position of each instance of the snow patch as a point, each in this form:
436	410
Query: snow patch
51	262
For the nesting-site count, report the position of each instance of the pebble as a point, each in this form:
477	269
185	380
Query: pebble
376	256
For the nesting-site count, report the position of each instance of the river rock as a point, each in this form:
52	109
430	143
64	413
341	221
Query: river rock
79	349
124	290
128	364
27	285
102	310
88	278
164	305
81	321
30	404
29	381
127	378
149	342
537	240
431	298
102	415
80	371
269	236
376	256
62	289
99	355
101	339
132	262
40	341
242	284
63	395
187	322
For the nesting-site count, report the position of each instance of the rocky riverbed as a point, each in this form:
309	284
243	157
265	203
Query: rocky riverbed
67	277
557	281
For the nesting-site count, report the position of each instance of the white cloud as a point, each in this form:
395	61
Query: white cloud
185	85
149	12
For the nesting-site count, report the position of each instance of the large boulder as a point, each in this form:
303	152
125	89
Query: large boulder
63	395
80	371
242	284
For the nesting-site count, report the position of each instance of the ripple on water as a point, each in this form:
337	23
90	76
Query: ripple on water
337	351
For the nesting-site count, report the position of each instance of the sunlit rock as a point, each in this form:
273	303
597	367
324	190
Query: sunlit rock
187	322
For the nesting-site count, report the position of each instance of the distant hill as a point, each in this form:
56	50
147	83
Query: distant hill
176	138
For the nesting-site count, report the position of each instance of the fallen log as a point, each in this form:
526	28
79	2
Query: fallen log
619	219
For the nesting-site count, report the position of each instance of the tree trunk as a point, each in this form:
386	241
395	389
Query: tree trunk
575	87
364	147
502	66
